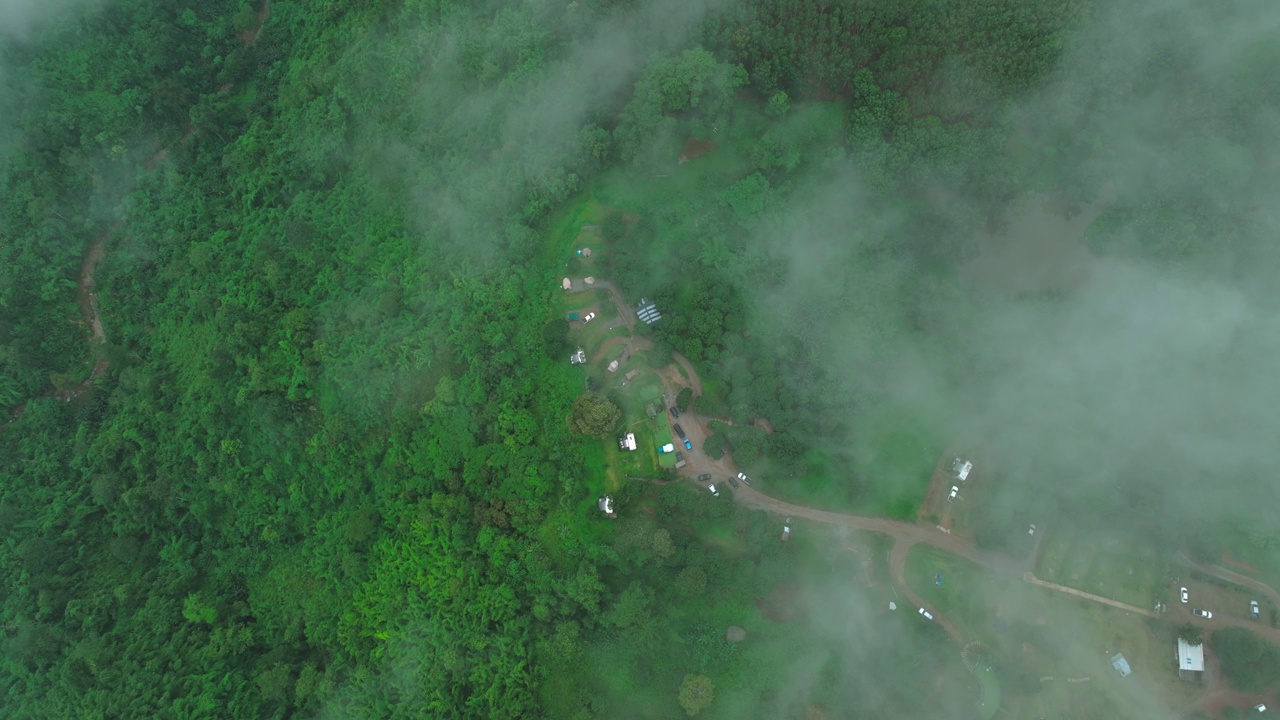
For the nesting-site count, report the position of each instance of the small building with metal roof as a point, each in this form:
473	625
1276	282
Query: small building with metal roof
1120	664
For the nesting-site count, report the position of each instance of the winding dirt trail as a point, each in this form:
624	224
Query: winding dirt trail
898	573
86	289
87	299
1230	576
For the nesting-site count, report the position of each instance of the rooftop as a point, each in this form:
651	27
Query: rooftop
1119	663
1190	657
647	311
606	505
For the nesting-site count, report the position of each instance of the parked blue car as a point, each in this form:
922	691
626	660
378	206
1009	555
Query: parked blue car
688	445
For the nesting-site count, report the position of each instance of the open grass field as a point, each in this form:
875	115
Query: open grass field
964	597
1106	567
1223	599
893	463
989	699
1044	644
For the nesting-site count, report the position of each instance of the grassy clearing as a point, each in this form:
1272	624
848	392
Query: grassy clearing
1104	567
989	702
565	226
892	466
963	595
897	464
1262	556
1040	638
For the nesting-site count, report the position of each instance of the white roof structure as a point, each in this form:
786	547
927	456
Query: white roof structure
1190	657
1120	664
606	505
961	468
627	442
567	284
669	447
578	358
647	311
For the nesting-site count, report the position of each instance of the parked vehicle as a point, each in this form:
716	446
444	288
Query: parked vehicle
1202	613
1253	609
704	477
679	456
733	482
925	614
1185	595
743	477
675	413
679	430
688	445
589	317
955	490
713	490
1032	531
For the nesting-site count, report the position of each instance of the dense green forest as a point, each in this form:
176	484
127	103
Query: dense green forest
319	466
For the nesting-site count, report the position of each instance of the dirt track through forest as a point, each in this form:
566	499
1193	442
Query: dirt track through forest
86	290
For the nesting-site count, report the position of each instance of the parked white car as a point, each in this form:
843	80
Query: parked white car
955	490
713	490
1203	613
925	614
1185	595
588	318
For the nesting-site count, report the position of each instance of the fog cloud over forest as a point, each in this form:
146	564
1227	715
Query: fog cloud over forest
1120	359
19	18
537	119
330	460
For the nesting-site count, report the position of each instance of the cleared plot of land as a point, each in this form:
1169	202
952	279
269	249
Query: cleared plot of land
1103	567
1220	598
893	462
1051	653
989	701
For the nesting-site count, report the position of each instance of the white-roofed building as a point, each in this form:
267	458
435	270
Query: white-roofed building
1121	665
1190	659
627	442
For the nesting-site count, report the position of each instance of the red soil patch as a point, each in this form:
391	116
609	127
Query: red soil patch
695	148
1240	564
783	605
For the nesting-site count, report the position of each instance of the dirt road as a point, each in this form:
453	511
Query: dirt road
1032	579
907	534
1230	576
898	573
